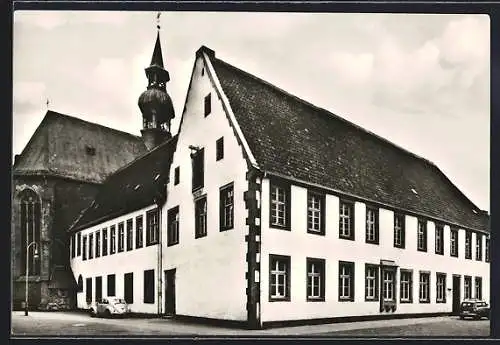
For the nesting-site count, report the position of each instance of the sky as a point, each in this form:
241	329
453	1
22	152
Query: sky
420	81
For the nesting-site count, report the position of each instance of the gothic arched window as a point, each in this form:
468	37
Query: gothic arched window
30	211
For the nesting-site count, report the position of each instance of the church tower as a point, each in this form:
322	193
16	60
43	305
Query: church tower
155	103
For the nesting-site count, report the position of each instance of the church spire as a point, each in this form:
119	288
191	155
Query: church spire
157	58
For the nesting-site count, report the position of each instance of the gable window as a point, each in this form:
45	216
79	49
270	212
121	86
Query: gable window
279	206
88	290
208	104
371	282
279	278
198	161
454	242
399	231
468	245
176	176
84	247
201	217
97	244
139	236
315	279
78	244
91	246
346	220
173	226
467	287
439	244
479	246
406	293
440	287
121	237
111	285
112	243
226	213
149	286
315	213
30	214
487	250
130	234
73	243
422	236
219	149
346	281
479	287
423	296
371	225
152	227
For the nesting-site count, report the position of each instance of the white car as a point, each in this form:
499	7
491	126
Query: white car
109	307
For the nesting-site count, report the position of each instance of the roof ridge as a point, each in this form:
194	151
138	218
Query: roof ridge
309	104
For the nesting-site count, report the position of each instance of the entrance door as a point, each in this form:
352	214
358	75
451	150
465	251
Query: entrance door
170	292
456	295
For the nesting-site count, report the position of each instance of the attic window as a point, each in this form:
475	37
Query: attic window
474	211
90	150
137	187
203	71
157	177
414	191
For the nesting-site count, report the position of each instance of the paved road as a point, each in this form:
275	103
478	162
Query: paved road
75	324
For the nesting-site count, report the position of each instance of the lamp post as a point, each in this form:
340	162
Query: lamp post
35	256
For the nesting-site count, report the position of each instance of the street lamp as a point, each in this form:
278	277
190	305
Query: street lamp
35	256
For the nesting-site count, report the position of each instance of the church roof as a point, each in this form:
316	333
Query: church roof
139	184
292	138
69	147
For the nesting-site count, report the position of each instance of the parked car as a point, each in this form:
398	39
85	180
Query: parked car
474	308
109	307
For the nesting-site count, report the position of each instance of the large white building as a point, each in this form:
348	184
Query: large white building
265	209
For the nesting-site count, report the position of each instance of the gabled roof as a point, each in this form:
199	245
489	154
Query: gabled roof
139	184
292	138
69	147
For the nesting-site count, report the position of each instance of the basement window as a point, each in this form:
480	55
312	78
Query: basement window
90	150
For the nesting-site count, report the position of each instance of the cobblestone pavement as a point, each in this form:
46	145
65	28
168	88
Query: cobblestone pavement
70	324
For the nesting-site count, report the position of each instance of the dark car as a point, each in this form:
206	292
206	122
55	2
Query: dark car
475	309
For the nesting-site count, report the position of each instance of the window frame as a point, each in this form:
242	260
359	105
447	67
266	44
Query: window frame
467	279
89	294
392	283
468	245
121	237
487	249
91	246
273	258
219	149
173	217
139	231
198	172
84	248
79	244
479	246
439	229
149	289
152	227
111	285
351	217
410	286
207	105
112	239
199	231
454	239
351	267
176	175
222	207
422	248
375	279
428	285
480	285
274	205
402	229
129	297
375	210
97	243
130	234
312	262
440	275
73	246
322	199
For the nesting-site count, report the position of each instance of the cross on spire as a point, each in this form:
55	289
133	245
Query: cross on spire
158	20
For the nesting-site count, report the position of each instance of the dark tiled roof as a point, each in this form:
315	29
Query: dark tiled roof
70	147
139	184
291	137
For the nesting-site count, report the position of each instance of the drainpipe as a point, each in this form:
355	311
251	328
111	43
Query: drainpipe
159	256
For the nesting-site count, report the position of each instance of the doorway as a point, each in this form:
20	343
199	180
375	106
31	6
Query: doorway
170	292
456	295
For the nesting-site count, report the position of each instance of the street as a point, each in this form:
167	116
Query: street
79	324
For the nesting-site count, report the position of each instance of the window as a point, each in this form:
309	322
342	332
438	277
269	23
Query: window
226	212
198	161
423	295
97	244
315	279
78	244
388	285
30	212
121	237
346	226
371	282
478	286
371	225
112	244
208	104
111	285
176	176
149	286
440	288
454	242
479	246
130	234
467	287
88	289
279	206
128	287
468	245
439	244
346	281
91	246
487	250
422	236
201	217
104	241
152	227
73	243
139	236
406	291
98	289
84	247
219	149
399	231
173	226
79	287
279	278
315	213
